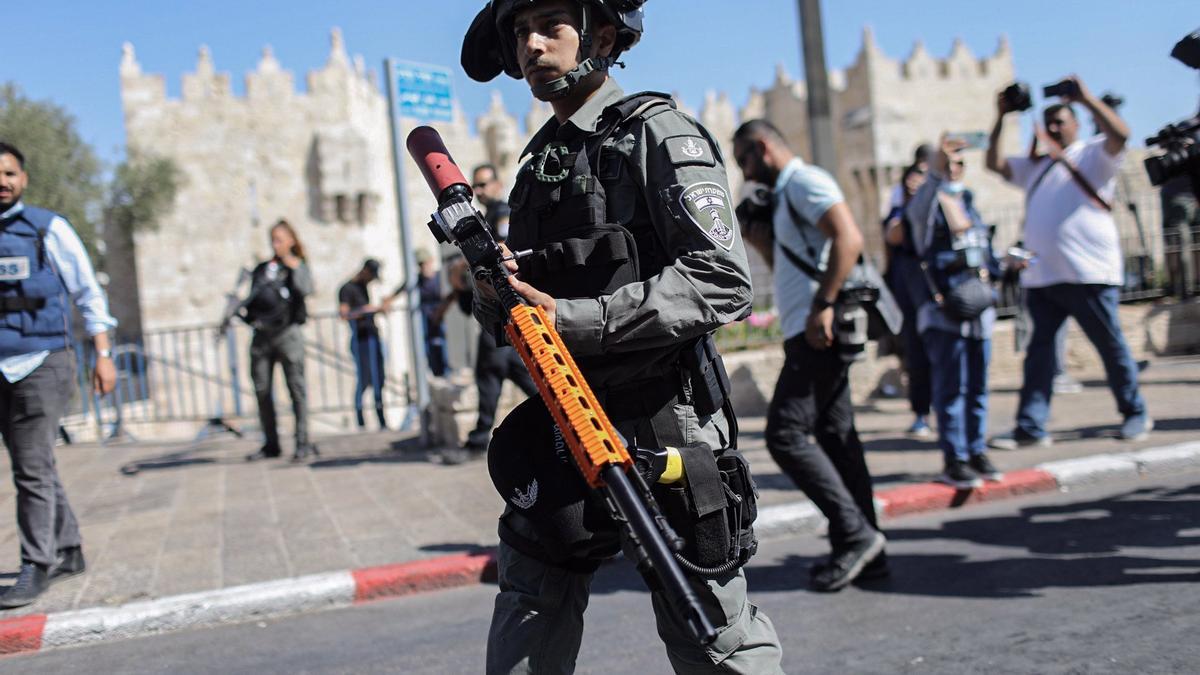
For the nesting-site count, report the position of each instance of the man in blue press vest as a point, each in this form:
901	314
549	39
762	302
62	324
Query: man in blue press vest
43	266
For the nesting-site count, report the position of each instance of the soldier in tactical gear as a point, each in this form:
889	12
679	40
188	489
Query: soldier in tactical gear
636	259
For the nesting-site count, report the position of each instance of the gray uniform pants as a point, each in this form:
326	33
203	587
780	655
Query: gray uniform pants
537	624
29	414
287	349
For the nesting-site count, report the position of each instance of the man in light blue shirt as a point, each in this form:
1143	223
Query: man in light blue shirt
814	246
43	266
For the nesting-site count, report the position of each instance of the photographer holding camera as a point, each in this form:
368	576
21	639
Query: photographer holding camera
955	312
1078	267
813	230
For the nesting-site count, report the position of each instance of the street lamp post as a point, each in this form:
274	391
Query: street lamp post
820	115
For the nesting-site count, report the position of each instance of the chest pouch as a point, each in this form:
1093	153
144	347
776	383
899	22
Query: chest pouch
713	509
559	212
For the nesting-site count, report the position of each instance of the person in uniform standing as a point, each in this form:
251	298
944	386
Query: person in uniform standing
43	268
493	363
276	311
636	260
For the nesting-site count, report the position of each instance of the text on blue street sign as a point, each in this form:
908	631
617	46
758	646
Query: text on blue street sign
423	92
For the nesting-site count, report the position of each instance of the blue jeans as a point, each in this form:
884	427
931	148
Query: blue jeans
368	370
959	371
1094	308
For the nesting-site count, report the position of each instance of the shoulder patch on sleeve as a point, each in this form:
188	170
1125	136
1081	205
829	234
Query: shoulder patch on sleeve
689	149
707	205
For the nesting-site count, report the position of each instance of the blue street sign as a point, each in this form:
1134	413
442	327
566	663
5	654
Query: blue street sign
423	92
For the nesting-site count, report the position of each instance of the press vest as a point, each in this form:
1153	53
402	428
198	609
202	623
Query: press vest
32	296
273	305
952	259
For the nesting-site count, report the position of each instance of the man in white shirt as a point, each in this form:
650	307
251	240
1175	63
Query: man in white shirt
43	269
815	245
1077	270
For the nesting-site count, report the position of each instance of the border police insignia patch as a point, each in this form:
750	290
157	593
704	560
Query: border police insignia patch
689	149
707	204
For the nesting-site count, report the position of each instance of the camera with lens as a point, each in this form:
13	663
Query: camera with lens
1016	97
756	208
1181	140
1063	89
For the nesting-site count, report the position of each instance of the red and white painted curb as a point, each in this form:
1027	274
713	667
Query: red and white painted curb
242	603
37	632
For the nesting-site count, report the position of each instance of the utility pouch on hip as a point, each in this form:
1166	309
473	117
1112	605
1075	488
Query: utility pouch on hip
714	510
706	371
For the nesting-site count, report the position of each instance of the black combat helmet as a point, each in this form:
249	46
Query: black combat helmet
489	47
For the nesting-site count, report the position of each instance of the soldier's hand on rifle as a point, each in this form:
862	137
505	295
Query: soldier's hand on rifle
535	297
484	286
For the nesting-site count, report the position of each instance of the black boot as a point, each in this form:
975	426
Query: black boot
31	582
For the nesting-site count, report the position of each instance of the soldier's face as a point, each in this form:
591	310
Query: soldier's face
547	37
13	180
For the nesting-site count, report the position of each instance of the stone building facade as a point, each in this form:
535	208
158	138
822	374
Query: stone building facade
321	158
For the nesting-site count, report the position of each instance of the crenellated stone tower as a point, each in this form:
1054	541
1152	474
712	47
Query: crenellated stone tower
883	109
321	158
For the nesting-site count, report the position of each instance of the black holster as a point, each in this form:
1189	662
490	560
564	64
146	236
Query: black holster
713	510
706	372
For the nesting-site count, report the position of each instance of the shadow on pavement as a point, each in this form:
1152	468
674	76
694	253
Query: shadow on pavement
1085	544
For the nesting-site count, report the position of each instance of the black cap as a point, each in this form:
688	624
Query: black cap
372	265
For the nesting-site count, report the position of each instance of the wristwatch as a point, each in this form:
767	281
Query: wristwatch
104	353
820	304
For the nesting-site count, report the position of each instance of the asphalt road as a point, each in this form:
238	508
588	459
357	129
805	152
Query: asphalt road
1093	581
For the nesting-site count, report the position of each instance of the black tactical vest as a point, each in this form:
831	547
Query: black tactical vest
590	234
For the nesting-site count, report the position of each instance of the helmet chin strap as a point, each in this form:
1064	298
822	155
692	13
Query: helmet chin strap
561	87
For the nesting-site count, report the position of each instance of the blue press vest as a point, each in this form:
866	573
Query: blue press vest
950	261
25	331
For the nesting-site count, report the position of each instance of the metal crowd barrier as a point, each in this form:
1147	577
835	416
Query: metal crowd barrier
201	375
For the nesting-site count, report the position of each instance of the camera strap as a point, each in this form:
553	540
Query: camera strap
801	222
1084	185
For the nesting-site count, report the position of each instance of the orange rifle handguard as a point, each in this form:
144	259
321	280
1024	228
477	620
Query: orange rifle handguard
590	435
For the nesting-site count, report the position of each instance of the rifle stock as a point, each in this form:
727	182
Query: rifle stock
596	448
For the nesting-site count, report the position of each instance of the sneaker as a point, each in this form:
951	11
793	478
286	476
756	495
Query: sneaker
1065	384
1137	427
983	466
845	566
31	582
960	476
70	564
920	430
265	452
876	569
304	451
1018	439
456	456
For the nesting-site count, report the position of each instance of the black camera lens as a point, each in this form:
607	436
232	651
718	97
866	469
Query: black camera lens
1063	89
